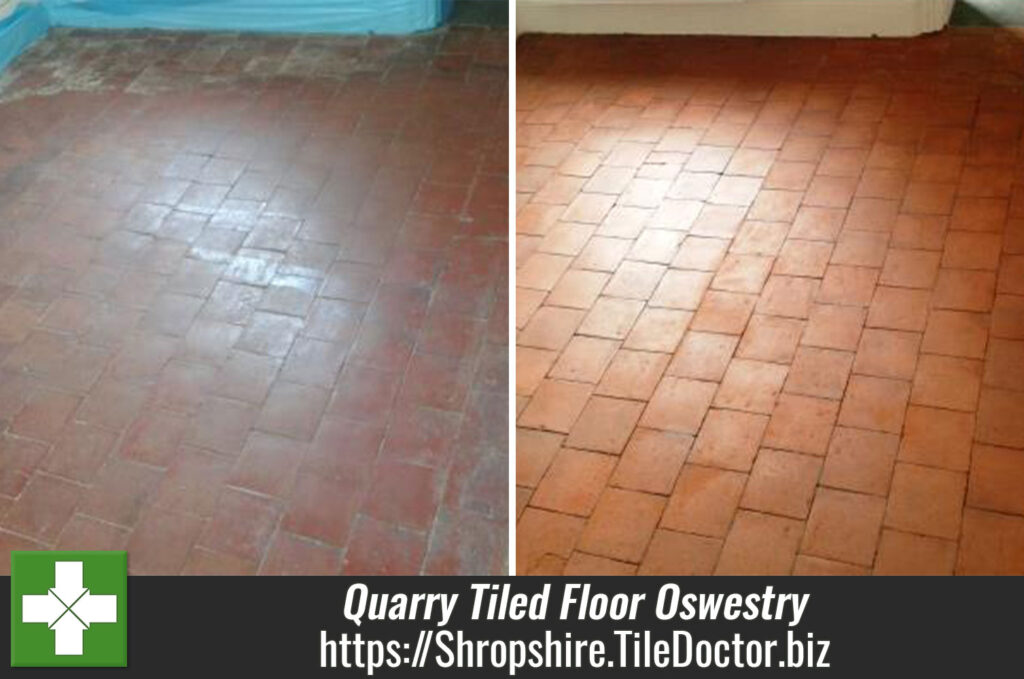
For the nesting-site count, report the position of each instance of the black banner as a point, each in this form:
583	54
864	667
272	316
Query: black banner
500	627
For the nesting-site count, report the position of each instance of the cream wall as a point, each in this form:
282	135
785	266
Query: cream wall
735	17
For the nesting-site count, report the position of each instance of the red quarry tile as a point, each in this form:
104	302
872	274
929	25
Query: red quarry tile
802	424
651	461
875	404
678	405
908	554
622	524
843	526
860	460
573	482
781	483
292	555
760	543
242	525
381	548
43	507
671	553
729	440
926	501
161	542
399	492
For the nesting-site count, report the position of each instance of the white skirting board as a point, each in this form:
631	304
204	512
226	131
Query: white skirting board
849	18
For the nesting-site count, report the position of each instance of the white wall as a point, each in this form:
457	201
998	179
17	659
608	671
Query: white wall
735	17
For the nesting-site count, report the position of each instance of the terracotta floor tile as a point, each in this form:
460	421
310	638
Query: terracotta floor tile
937	438
761	544
381	548
802	424
541	533
742	273
963	290
43	507
887	353
702	254
926	501
658	330
1000	420
919	232
634	280
83	533
956	333
844	526
860	461
991	544
907	554
800	284
995	480
781	483
910	268
242	525
605	425
1008	317
875	404
610	317
161	542
759	238
947	382
555	405
849	285
651	461
729	439
622	524
818	224
588	564
812	565
574	482
534	452
724	312
704	501
292	555
968	250
899	309
819	372
633	375
803	258
680	554
788	296
979	214
1004	364
678	405
771	338
550	328
860	248
399	493
751	386
584	359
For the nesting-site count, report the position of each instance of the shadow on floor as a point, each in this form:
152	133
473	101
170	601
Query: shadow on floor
988	13
492	13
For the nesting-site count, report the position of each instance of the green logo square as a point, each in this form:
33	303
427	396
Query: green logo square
69	609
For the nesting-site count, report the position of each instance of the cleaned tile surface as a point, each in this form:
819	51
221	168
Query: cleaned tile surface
769	305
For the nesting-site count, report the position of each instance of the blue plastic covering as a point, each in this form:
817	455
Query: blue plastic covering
278	16
27	24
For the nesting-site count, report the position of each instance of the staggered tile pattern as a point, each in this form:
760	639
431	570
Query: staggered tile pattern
770	305
253	301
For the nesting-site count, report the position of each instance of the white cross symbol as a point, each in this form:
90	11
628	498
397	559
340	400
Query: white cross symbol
68	608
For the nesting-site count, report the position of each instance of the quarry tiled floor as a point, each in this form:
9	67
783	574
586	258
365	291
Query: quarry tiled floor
253	309
770	305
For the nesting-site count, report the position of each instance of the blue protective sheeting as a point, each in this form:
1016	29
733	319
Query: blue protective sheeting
278	16
22	28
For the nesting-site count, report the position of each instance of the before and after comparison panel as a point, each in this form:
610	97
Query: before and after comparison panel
470	289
